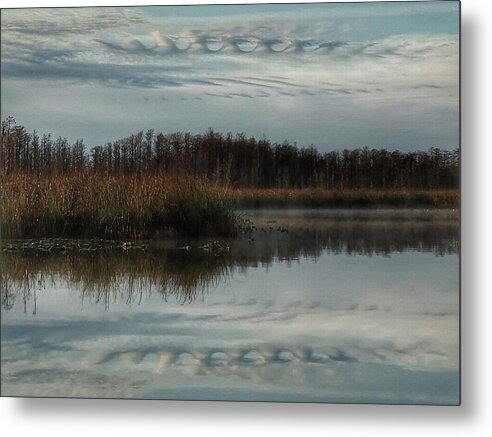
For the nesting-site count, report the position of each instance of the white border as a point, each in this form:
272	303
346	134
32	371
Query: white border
129	418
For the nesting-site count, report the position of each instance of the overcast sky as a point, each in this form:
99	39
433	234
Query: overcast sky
332	75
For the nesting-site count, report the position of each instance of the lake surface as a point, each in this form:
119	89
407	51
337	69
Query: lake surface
318	306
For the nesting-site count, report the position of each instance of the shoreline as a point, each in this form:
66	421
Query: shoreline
126	207
255	221
317	198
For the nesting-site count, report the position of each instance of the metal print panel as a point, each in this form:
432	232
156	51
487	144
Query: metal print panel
238	202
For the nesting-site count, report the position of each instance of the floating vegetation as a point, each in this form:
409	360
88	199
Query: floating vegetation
105	270
214	248
63	245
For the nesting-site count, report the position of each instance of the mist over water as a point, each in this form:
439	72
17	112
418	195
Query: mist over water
332	306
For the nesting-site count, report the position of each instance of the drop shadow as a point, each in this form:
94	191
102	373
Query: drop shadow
263	412
469	216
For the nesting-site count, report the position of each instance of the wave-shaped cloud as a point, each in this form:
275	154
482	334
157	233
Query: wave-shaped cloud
124	47
162	348
207	44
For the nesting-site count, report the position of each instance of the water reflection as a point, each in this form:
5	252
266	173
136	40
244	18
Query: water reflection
306	234
102	277
334	306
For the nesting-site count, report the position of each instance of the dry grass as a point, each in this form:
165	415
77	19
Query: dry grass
113	206
135	206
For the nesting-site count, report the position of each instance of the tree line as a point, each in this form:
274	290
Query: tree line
230	159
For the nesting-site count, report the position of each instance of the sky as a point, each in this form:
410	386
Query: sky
330	75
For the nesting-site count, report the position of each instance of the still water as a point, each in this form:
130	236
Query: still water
319	306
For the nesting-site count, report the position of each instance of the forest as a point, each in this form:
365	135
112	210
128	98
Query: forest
194	185
237	161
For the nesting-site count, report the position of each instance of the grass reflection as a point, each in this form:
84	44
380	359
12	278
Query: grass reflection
186	270
108	276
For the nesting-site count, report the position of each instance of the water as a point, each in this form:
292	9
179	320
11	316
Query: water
323	306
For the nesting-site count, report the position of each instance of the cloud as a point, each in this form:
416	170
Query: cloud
323	53
425	85
286	93
60	21
124	47
226	96
143	351
128	45
248	96
115	75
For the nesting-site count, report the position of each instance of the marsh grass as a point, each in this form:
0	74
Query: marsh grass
360	198
98	205
137	206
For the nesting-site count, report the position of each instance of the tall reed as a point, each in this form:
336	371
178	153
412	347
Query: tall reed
89	204
138	205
